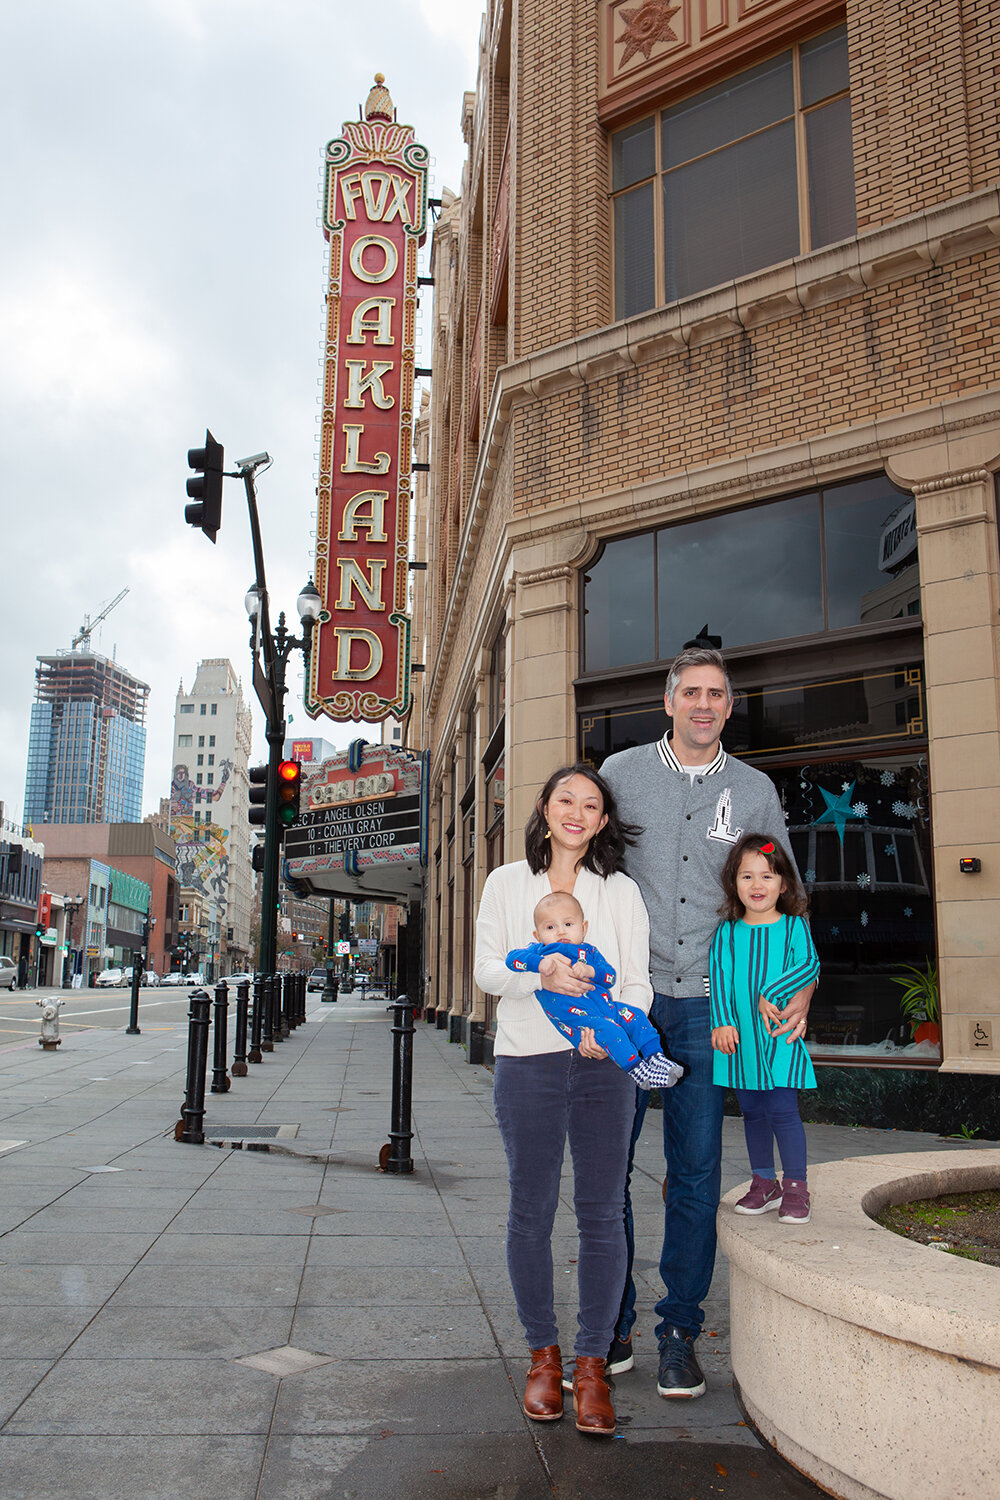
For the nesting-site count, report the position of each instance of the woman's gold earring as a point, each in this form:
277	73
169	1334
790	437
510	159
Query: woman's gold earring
548	833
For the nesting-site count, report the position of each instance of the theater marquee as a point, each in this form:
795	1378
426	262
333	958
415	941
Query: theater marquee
374	218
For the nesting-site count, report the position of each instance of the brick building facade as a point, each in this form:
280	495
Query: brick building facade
714	345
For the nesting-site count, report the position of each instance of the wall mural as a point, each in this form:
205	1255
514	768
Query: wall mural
202	847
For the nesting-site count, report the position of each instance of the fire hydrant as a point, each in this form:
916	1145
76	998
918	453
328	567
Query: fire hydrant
50	1038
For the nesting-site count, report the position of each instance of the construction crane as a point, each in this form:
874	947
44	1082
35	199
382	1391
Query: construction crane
89	625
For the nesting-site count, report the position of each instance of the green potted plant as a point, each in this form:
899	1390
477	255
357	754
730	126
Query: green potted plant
920	1002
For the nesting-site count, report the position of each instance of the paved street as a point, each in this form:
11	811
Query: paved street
200	1321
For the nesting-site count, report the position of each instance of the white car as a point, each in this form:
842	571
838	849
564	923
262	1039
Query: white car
232	980
8	973
151	979
109	979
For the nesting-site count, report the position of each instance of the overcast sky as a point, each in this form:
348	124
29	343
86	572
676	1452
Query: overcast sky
162	270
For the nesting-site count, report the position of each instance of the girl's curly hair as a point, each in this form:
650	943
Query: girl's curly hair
793	901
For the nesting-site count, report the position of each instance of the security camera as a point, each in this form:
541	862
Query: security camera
254	461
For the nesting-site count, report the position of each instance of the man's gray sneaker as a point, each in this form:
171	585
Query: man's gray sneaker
679	1373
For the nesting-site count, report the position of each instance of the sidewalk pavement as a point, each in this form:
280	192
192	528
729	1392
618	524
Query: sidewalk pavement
191	1322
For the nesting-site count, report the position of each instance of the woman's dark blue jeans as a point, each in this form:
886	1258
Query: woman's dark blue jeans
541	1102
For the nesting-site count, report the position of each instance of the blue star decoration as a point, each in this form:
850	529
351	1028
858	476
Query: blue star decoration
838	809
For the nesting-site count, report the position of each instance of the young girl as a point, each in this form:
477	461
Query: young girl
762	954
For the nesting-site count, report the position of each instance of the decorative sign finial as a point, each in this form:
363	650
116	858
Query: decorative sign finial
379	105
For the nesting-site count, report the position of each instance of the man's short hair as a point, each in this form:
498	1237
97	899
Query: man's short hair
697	656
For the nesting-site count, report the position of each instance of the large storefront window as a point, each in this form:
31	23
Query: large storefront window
832	558
743	175
860	830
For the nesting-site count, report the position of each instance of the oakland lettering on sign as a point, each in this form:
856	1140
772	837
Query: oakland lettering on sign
374	218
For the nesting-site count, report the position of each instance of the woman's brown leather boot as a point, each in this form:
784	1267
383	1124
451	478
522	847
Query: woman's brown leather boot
592	1397
543	1397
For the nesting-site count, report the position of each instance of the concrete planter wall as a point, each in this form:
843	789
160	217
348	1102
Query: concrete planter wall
870	1362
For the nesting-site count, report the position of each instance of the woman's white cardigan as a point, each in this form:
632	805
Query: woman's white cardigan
617	925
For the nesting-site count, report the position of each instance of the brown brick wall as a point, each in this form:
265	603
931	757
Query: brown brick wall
890	349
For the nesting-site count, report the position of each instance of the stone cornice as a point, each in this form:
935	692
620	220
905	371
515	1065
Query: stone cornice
946	232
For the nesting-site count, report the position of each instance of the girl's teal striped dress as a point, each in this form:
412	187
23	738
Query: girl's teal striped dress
746	961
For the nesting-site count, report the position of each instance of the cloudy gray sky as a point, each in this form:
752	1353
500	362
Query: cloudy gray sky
162	270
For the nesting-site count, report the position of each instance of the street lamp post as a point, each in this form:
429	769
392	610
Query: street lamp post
270	653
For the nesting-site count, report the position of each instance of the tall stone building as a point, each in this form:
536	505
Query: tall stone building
209	806
713	353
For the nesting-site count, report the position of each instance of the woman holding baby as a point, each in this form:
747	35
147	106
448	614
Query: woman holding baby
548	1091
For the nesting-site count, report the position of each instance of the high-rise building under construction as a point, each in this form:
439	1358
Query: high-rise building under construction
87	745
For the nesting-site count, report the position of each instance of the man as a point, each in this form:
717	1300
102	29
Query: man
693	802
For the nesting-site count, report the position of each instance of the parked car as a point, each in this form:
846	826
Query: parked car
316	980
109	979
151	979
175	977
193	979
8	974
232	980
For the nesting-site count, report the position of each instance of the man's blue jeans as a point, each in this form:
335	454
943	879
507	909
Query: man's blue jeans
692	1148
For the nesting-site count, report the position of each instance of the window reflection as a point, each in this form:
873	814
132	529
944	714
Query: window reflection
825	560
620	606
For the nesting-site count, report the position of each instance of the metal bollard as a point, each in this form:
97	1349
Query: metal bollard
267	1015
301	988
190	1126
290	1001
239	1069
274	1006
282	1018
399	1160
221	1082
257	1021
132	1029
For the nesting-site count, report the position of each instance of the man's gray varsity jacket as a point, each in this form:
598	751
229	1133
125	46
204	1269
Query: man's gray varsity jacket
689	829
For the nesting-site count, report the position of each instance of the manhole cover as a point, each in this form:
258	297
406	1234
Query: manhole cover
251	1132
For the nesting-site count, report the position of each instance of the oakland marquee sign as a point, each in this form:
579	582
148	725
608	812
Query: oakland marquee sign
375	213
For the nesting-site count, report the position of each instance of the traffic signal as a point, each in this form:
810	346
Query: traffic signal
345	925
206	488
258	795
15	853
289	789
257	858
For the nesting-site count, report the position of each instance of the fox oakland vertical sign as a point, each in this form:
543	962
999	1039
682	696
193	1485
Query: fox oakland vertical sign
374	218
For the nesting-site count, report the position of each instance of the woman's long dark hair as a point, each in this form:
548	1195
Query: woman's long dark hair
606	849
793	901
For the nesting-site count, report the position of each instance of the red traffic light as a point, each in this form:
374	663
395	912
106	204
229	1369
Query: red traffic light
289	788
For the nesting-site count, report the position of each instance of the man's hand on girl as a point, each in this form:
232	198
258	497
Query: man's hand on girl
725	1038
792	1025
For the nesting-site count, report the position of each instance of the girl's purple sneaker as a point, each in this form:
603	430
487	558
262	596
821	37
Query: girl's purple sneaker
794	1203
764	1193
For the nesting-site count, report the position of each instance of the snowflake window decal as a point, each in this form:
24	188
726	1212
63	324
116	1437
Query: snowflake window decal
864	919
860	809
864	879
887	778
904	809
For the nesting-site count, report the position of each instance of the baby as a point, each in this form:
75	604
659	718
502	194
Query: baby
626	1035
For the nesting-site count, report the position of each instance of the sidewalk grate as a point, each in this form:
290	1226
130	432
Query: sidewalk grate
251	1132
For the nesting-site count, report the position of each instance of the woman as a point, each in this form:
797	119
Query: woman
545	1091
